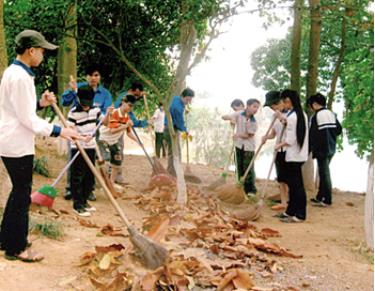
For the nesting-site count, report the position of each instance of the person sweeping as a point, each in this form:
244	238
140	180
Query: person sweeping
244	139
19	124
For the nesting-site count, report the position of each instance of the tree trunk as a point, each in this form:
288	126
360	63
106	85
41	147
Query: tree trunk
187	38
312	79
336	72
3	47
295	56
67	54
369	205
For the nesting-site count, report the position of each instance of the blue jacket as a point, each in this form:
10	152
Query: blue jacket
177	110
102	99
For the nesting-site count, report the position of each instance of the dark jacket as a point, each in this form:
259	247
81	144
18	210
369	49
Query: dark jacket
324	129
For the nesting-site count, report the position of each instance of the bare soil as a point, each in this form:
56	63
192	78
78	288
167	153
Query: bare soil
331	240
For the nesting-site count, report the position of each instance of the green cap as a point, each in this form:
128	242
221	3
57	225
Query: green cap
31	38
272	97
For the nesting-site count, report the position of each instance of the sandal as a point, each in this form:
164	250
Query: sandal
27	256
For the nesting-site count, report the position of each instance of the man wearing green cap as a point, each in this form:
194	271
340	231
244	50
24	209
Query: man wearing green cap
19	124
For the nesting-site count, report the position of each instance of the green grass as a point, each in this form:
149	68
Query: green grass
41	166
48	228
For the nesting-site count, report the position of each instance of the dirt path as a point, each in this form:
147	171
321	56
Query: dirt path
329	241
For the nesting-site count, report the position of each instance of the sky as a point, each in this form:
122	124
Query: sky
227	75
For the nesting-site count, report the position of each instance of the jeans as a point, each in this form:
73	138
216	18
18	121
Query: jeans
297	193
15	223
243	161
325	184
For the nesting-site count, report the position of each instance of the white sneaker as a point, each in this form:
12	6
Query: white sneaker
89	208
82	212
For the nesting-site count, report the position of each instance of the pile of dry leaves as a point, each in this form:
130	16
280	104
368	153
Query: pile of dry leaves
207	249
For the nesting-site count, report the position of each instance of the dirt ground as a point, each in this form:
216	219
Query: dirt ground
331	240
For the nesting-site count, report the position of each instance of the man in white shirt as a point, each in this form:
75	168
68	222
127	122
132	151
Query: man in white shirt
158	119
18	125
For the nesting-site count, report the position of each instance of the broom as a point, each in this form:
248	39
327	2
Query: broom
157	167
153	255
226	191
46	194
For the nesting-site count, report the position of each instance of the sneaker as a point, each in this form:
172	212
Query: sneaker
82	212
292	219
68	195
91	197
321	204
281	215
89	208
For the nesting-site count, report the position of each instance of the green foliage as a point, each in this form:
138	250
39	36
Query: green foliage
41	166
48	228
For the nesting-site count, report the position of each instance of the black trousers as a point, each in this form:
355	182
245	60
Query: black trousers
297	193
82	179
159	144
243	161
325	184
15	223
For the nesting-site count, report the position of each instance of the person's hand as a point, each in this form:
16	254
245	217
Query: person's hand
264	139
87	138
151	121
70	134
279	146
47	99
73	84
110	109
129	123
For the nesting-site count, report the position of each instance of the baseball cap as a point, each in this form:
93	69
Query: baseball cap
31	38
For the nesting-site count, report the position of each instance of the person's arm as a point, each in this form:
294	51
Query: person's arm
138	123
290	133
271	135
131	135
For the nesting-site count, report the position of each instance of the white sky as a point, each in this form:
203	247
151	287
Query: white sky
227	75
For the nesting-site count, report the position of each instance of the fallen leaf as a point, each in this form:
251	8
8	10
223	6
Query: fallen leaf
148	282
105	262
97	284
108	229
87	223
268	232
110	248
159	229
243	280
86	258
351	204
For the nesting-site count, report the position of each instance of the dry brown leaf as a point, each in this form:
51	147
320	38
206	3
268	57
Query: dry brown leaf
86	223
63	211
105	262
228	277
97	284
159	229
108	229
243	280
148	282
272	248
119	282
110	248
269	232
86	258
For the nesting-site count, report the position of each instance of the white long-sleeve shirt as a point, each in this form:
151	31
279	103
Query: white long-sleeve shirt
18	119
158	118
293	151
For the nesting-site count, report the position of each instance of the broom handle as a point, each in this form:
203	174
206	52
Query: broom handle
93	169
257	152
73	158
143	148
263	193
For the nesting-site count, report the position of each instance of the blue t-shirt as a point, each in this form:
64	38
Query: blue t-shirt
177	110
102	98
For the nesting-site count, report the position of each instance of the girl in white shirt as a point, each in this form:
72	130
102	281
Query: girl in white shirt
296	147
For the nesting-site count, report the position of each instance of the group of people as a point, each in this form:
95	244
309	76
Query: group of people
100	126
295	139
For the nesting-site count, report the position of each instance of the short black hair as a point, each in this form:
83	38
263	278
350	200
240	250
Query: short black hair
129	99
92	69
85	95
237	103
317	98
20	49
136	85
187	92
252	101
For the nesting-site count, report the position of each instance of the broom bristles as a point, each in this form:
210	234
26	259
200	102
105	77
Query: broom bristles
153	254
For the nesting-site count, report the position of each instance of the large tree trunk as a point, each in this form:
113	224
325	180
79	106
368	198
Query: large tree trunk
369	205
295	56
336	72
312	79
187	38
67	54
3	47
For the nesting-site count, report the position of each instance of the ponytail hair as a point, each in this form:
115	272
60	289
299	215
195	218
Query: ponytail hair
296	103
